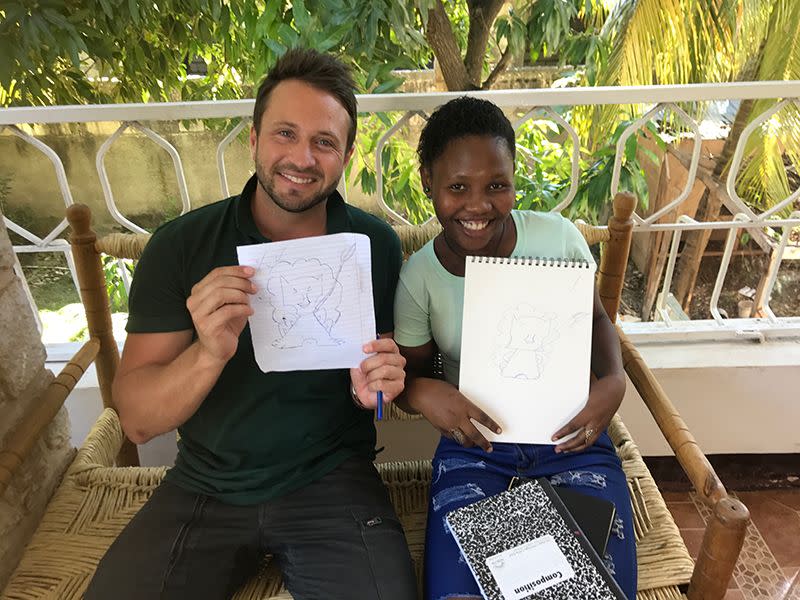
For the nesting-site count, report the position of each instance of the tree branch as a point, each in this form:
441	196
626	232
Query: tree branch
498	68
481	17
440	36
705	169
710	205
718	191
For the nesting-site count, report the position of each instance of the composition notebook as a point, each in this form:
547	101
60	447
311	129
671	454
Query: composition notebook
526	343
523	544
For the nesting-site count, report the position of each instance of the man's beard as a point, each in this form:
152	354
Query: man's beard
282	202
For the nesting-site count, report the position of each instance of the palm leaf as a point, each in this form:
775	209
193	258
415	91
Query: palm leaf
665	42
764	182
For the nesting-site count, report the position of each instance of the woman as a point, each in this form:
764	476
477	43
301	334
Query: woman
466	153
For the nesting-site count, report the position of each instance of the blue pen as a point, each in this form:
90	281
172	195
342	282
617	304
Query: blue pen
379	408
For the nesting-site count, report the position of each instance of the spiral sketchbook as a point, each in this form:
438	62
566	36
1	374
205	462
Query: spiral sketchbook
526	343
523	543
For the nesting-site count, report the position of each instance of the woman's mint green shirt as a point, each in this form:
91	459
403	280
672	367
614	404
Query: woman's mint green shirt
429	301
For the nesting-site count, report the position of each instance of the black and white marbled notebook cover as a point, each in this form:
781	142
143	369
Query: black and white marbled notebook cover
518	516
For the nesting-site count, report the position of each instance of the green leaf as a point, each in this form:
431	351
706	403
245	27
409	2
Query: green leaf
301	16
275	46
368	181
73	53
133	9
287	35
225	23
371	32
388	86
656	135
6	69
55	18
654	158
631	145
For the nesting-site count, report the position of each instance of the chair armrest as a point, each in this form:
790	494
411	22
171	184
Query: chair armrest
700	472
724	534
102	445
24	436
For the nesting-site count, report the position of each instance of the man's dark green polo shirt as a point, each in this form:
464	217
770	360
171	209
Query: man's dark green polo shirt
257	435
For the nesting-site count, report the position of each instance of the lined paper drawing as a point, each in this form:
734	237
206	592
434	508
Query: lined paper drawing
314	307
305	307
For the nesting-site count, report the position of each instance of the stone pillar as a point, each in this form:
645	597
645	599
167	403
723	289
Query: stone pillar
23	378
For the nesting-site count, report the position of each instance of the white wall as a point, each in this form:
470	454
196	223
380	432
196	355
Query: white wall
736	397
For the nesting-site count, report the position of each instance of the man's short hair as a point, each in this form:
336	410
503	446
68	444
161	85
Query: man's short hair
317	69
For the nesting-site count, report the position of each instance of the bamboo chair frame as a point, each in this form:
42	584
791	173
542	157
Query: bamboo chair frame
105	479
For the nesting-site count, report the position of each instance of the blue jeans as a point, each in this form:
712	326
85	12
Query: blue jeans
462	476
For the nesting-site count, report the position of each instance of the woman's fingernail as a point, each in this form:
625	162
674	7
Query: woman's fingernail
249	270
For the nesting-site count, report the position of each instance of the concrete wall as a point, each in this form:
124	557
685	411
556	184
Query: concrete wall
141	173
736	398
428	80
23	378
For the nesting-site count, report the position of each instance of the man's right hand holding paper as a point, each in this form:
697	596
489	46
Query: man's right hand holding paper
163	378
220	305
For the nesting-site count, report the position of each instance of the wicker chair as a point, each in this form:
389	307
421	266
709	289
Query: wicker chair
103	488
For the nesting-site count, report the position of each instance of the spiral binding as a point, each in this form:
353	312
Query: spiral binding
538	261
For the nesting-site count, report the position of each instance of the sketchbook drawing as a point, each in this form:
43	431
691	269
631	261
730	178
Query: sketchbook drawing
525	338
526	345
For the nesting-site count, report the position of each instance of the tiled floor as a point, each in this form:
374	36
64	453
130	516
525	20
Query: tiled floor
769	564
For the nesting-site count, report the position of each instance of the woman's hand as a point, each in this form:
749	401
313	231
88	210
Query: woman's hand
605	396
451	412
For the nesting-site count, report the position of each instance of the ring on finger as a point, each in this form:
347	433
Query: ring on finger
458	436
588	432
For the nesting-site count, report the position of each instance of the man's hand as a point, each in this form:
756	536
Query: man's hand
605	396
382	372
219	305
452	413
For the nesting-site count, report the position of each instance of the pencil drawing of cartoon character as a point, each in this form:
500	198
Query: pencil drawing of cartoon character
525	339
305	295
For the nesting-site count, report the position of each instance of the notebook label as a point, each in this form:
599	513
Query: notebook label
529	568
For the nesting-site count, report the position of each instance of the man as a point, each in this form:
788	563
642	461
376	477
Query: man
277	463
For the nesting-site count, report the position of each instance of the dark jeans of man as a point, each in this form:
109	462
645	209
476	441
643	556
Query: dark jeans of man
337	538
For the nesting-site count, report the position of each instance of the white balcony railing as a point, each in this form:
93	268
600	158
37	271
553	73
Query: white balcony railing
538	104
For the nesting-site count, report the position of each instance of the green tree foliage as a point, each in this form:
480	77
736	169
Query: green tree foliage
79	51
